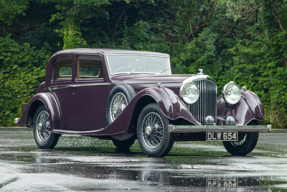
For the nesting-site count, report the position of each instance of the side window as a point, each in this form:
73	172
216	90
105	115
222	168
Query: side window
89	67
62	68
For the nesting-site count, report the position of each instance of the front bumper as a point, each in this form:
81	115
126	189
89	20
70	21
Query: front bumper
218	128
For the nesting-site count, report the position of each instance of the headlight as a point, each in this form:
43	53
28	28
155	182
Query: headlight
189	92
231	93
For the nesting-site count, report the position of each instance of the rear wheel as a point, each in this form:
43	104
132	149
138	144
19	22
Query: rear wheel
245	144
124	144
43	136
152	132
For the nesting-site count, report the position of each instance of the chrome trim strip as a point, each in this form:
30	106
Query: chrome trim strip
76	132
218	128
57	87
88	84
76	85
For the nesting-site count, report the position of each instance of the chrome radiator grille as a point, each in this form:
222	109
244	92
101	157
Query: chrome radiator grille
206	103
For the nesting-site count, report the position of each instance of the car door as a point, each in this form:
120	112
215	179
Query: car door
91	91
62	78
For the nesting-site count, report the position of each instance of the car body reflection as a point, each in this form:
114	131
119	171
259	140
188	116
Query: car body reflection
143	171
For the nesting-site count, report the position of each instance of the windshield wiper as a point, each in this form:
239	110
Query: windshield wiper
134	70
163	71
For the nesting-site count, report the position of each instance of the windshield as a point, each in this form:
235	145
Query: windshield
124	63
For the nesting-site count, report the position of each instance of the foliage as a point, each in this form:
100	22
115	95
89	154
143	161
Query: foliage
232	40
23	69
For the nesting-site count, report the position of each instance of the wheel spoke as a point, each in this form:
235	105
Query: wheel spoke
239	143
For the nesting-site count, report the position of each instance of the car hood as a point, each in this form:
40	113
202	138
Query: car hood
141	81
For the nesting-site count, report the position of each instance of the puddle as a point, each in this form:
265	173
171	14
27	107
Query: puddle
83	164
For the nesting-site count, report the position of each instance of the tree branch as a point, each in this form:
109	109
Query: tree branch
4	28
250	15
190	27
119	19
276	15
211	9
149	10
108	25
228	32
232	27
203	25
279	22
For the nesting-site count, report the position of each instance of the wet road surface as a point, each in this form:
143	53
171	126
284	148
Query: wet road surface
88	164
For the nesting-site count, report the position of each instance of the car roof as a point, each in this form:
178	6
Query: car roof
106	51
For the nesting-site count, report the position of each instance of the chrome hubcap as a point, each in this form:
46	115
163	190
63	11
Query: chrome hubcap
148	130
153	130
118	104
43	130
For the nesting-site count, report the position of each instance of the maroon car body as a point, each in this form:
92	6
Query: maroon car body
79	105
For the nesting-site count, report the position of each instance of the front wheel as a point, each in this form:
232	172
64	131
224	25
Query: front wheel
43	136
152	132
245	144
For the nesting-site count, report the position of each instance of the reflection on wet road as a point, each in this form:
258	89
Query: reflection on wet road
88	164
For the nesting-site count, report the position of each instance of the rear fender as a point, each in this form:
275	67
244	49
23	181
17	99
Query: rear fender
249	108
51	105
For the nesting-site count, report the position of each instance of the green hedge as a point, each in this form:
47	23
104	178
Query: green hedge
241	41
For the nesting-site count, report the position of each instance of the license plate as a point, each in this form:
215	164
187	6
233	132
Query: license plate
221	136
221	182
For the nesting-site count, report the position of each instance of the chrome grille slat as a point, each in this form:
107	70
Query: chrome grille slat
206	103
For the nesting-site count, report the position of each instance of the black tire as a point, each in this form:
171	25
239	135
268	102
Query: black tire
245	145
51	140
147	130
126	90
124	144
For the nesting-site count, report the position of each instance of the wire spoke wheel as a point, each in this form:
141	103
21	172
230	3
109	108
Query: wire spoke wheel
246	143
118	104
152	130
43	130
239	143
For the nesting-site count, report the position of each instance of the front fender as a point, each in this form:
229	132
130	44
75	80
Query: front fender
170	104
249	108
51	105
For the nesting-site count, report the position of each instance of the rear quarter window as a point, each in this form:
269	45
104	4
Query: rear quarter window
62	68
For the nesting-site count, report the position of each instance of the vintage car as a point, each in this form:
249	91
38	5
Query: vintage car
125	95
